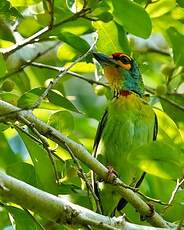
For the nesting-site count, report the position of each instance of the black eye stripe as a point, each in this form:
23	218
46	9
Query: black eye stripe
125	60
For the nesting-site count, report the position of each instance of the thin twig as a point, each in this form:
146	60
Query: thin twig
38	34
36	139
44	142
181	223
151	199
61	69
148	50
173	194
136	190
27	63
181	107
25	132
178	106
34	219
84	177
91	19
178	184
59	76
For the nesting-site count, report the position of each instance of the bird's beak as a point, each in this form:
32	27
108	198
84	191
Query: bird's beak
103	59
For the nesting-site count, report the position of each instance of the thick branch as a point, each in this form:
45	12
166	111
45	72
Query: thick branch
57	209
11	112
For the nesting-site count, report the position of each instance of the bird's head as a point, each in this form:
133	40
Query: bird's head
122	73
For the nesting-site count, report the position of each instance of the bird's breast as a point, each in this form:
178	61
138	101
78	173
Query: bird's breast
130	124
113	76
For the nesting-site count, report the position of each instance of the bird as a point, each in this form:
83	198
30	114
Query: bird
127	123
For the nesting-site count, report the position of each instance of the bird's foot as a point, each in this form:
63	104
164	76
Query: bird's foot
111	174
152	211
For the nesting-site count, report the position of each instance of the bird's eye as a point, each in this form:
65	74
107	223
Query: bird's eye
125	60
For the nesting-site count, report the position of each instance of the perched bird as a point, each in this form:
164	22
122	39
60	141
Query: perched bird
127	123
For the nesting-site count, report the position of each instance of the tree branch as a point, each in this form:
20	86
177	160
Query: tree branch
179	182
10	112
178	106
37	35
57	209
27	63
85	179
60	75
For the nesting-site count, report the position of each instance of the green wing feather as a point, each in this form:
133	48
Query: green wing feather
122	201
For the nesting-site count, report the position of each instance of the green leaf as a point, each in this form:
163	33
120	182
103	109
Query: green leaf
5	221
59	100
5	32
70	3
22	81
22	171
92	3
101	12
70	175
114	37
82	67
176	40
159	8
66	52
3	66
62	121
180	3
9	97
56	101
133	17
43	167
158	158
3	127
29	98
178	114
75	5
167	130
105	16
74	41
21	3
21	218
78	27
6	12
7	156
30	23
8	85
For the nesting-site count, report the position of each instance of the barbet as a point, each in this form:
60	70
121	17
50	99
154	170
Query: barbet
127	123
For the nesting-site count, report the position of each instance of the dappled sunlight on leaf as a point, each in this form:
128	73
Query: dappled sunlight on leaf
160	169
168	130
158	158
82	67
62	121
158	8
